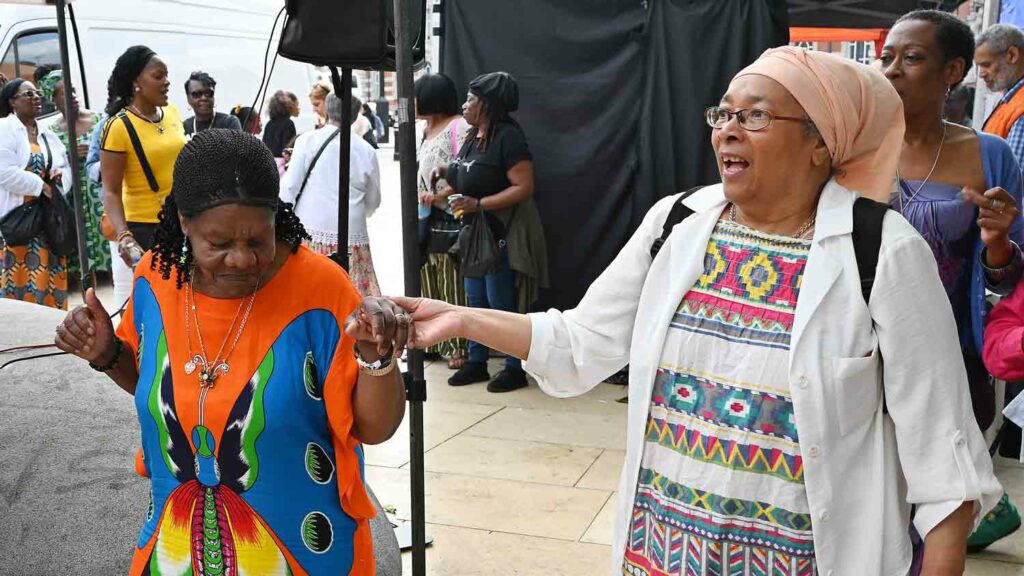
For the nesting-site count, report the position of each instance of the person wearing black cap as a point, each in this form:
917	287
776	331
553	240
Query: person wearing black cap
494	173
258	371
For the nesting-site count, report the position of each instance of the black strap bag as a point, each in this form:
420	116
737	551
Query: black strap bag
480	252
442	232
312	165
22	224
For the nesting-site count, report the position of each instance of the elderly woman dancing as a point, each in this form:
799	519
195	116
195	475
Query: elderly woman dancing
764	429
255	450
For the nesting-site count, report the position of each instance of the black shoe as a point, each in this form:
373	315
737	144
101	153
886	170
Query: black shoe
508	380
470	373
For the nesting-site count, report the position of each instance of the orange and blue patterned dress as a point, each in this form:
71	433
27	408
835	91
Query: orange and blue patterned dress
259	473
721	486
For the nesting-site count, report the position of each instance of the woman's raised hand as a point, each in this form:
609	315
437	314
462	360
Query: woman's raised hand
997	211
433	321
87	331
381	323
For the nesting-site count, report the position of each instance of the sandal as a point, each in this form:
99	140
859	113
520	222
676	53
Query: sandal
456	362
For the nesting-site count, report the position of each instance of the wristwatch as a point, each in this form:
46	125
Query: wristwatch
381	367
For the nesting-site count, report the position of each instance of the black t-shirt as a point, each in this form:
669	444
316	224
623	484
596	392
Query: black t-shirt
220	120
277	134
481	174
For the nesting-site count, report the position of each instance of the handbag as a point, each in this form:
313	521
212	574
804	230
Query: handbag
443	231
480	252
21	225
59	228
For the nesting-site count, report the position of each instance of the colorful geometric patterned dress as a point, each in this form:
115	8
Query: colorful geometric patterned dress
721	487
97	247
31	273
258	473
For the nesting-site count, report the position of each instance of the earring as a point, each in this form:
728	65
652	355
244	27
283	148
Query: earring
184	251
137	89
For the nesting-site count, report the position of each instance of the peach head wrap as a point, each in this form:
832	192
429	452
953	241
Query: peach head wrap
854	107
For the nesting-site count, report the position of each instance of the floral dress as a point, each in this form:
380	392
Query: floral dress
92	201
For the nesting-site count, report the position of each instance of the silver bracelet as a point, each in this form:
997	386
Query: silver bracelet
382	367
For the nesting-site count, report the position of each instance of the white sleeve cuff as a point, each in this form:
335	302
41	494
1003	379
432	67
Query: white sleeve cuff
929	515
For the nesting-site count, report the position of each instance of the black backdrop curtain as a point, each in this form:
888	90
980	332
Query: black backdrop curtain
612	94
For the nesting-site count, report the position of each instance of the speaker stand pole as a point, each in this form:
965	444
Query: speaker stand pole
343	89
405	145
75	186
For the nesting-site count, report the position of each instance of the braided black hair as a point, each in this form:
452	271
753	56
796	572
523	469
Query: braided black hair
7	94
122	79
495	115
219	167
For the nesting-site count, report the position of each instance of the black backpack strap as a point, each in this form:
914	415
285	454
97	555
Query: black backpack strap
312	164
678	213
137	146
868	216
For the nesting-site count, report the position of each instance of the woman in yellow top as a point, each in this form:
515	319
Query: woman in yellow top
134	185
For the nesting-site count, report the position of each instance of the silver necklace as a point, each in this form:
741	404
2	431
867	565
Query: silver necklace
210	370
899	180
195	124
800	233
158	123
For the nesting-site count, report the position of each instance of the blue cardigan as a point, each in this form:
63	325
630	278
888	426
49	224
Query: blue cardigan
1001	169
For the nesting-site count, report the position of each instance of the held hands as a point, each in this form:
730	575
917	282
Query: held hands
379	326
87	331
433	321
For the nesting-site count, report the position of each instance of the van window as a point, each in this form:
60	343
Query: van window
28	53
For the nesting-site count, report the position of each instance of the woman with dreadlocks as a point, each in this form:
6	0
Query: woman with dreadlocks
494	173
139	145
257	372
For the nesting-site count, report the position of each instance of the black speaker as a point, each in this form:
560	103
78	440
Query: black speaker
356	34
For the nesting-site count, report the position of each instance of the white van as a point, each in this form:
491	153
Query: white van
225	38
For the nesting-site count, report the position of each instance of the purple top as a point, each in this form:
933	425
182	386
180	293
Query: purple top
949	226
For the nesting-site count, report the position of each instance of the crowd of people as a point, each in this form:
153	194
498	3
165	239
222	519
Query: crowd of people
811	346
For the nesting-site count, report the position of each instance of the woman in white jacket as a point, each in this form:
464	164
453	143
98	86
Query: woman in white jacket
765	434
30	159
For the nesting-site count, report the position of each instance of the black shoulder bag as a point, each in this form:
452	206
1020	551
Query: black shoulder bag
59	228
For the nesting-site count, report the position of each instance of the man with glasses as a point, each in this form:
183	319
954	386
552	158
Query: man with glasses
999	54
199	89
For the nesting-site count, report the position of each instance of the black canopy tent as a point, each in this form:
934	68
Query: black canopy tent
856	13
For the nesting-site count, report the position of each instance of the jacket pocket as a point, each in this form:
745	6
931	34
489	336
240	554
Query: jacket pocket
856	390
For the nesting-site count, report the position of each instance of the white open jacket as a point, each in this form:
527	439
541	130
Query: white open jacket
862	468
15	150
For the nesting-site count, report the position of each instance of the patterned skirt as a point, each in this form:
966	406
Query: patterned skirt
97	247
360	265
440	280
32	274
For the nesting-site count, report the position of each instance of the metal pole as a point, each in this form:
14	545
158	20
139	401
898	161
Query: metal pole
75	185
343	90
405	145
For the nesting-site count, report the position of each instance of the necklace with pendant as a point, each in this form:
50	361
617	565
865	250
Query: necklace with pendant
210	370
158	123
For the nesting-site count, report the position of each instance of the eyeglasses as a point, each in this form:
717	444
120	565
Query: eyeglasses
751	119
29	94
201	93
